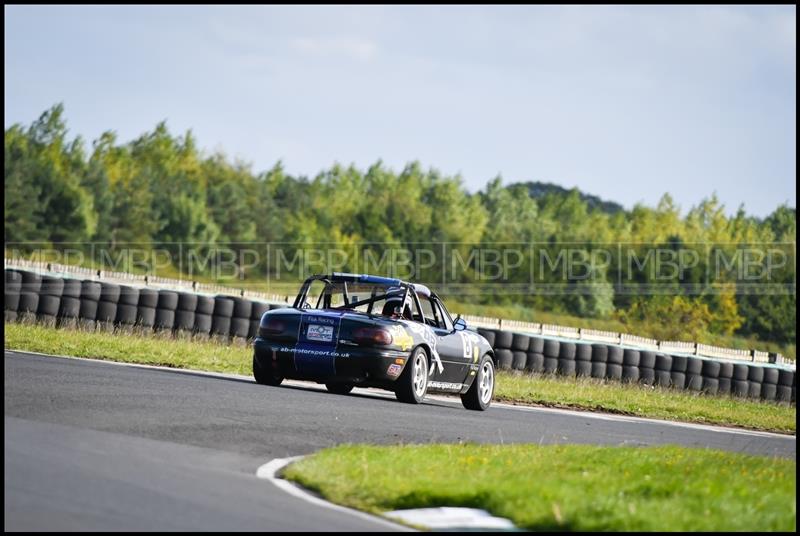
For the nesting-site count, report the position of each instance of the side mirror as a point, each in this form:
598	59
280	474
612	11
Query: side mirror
460	324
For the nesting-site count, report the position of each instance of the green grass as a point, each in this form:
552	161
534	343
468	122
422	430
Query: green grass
516	388
644	401
564	487
127	348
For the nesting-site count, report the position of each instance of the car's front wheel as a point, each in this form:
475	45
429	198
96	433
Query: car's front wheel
479	395
265	376
413	382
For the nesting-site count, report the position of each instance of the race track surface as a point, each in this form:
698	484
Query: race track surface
91	445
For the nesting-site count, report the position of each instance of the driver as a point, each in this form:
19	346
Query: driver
392	303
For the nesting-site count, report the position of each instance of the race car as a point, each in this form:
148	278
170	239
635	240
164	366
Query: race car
347	330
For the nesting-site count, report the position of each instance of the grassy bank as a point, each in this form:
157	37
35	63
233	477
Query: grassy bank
641	400
129	348
564	487
515	388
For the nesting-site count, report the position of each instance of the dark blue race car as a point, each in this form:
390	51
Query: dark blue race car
345	330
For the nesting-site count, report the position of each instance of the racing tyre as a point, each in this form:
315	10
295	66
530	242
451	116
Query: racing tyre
265	377
339	388
479	395
413	382
583	368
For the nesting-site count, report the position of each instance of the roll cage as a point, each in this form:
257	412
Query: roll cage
343	278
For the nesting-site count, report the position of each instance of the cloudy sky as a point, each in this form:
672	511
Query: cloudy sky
623	102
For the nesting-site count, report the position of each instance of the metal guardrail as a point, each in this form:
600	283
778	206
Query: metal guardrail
589	335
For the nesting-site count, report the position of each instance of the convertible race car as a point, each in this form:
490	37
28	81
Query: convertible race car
345	330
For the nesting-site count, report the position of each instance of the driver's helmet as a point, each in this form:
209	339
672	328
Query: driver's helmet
394	298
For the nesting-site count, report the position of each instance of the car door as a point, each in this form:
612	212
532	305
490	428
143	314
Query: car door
450	344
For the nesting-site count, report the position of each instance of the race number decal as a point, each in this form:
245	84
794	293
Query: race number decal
469	343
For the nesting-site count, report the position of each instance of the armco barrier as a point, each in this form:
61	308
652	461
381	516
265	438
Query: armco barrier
553	350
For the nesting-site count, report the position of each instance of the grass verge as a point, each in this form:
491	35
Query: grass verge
564	487
131	348
644	401
515	388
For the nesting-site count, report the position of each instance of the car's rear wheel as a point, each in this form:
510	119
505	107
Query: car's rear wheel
413	382
479	395
265	376
339	388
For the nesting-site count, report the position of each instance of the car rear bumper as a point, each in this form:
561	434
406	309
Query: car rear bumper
351	364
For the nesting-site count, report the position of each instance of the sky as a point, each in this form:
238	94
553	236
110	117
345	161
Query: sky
623	102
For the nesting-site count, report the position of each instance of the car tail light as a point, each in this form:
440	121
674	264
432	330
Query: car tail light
273	327
377	336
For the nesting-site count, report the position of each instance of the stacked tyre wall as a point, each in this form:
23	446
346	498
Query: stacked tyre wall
107	306
103	306
543	355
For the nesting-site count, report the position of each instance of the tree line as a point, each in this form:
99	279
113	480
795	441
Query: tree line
161	188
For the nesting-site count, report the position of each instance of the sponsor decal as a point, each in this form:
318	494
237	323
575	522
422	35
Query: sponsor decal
401	337
429	336
399	360
394	369
314	352
318	332
445	386
470	343
320	320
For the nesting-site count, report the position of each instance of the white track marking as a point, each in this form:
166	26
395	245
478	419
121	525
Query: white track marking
449	517
270	469
450	400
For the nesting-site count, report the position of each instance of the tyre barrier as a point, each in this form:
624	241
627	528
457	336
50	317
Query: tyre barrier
536	346
127	306
203	315
550	348
259	308
503	340
535	362
146	308
487	334
663	368
12	289
583	352
519	360
504	358
583	367
694	376
185	312
50	292
240	319
520	343
67	301
566	359
165	310
221	319
107	306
